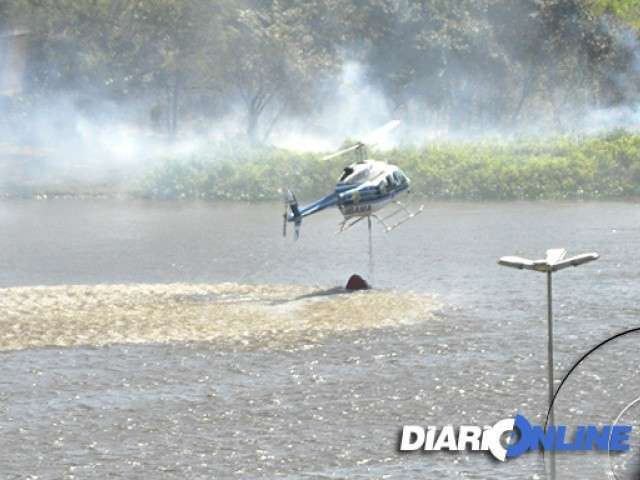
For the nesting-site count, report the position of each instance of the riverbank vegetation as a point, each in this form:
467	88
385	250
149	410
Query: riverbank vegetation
590	168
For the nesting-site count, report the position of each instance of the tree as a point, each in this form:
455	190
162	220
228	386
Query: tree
182	48
275	61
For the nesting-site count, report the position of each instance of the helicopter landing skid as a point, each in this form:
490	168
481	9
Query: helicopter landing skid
346	224
402	208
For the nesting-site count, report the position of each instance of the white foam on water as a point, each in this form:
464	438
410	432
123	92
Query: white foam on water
257	315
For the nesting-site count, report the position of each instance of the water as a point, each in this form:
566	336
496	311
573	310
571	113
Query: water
151	368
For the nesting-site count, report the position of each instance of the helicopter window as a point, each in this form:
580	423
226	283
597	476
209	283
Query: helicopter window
360	176
389	180
347	171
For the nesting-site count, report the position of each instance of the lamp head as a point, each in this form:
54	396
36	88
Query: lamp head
555	261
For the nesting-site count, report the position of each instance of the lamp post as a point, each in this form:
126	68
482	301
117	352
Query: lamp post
554	261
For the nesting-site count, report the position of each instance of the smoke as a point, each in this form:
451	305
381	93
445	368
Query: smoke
354	107
58	139
625	114
110	142
88	137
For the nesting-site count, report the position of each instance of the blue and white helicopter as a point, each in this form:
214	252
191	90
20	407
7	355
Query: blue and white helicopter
363	189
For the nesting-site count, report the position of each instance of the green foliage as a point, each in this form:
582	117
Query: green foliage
239	172
626	10
600	167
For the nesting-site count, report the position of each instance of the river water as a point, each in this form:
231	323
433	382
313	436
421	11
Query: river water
190	340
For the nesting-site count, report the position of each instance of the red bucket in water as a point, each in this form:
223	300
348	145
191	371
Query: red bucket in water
356	282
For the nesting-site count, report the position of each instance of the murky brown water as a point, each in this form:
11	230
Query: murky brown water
163	371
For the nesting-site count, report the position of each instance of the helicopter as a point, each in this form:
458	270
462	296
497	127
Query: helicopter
364	188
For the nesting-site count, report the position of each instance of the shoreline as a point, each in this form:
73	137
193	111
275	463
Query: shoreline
593	168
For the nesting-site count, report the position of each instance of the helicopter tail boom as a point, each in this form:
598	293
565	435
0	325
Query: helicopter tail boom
294	213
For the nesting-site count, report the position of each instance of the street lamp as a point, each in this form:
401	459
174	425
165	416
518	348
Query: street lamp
555	261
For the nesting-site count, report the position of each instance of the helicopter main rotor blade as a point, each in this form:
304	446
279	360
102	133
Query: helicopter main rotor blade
372	138
343	151
378	135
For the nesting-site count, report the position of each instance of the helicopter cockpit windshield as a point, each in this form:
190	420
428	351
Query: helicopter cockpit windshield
352	175
346	172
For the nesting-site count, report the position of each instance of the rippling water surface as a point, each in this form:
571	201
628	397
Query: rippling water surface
185	340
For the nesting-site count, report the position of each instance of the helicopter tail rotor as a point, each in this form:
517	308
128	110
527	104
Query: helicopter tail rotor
291	203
